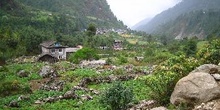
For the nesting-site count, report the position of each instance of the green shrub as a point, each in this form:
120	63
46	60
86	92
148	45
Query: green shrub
84	54
158	57
118	71
210	53
122	59
166	75
13	87
3	69
109	61
117	97
78	74
190	47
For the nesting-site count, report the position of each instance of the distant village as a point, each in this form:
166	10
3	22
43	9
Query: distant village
104	31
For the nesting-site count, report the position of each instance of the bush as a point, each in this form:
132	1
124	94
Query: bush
117	97
210	53
122	59
13	87
84	54
166	75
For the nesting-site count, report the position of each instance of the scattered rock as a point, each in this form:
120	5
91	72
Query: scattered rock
129	68
139	58
212	105
14	103
38	102
112	77
23	97
144	105
51	99
53	85
93	64
70	95
159	108
86	97
195	88
86	90
23	73
48	71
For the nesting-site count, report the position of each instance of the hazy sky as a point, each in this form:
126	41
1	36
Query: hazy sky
133	11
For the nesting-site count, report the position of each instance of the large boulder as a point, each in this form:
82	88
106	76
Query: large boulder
48	71
206	68
195	88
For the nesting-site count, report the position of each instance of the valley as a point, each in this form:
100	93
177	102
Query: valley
76	55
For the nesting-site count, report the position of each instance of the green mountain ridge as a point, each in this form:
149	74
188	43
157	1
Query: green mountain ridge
83	11
196	23
171	19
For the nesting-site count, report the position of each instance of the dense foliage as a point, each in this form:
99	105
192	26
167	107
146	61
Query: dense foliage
167	74
117	97
210	53
84	54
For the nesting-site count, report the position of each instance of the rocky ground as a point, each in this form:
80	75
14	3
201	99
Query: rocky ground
199	90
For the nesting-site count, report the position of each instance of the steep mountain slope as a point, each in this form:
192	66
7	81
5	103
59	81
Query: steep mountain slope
85	11
24	24
196	23
184	7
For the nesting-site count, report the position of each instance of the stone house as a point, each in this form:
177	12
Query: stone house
53	51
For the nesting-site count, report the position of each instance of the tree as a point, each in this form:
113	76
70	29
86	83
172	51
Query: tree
164	40
84	54
190	47
91	30
117	97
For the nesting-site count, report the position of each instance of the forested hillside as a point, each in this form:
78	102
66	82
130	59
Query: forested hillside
190	10
24	24
82	11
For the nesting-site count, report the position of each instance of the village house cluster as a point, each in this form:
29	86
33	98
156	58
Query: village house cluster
53	51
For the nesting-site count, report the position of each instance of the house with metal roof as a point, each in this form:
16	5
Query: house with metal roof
53	51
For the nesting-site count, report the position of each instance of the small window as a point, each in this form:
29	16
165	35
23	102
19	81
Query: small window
53	50
60	57
60	50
